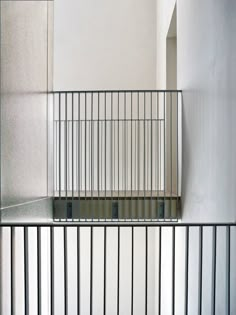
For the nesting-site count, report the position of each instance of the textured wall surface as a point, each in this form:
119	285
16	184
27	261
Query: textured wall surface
206	73
26	76
206	68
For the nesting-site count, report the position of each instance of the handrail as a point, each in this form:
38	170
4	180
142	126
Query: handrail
114	224
116	91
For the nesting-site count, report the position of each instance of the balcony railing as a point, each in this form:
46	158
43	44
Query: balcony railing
117	155
117	268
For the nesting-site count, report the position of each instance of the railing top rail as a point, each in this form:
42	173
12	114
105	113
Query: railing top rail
116	91
112	224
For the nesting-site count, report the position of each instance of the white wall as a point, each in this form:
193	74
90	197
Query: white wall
206	67
164	12
104	44
108	45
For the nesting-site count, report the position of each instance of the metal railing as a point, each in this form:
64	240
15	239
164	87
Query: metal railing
122	268
117	154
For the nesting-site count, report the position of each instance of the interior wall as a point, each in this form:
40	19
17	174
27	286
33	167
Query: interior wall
25	80
172	108
105	45
171	63
108	45
25	137
164	12
206	66
206	69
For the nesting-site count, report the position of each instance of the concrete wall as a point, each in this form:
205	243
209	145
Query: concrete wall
26	76
105	44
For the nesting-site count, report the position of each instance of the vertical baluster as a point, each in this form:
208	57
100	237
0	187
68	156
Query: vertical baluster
76	158
69	191
92	146
102	163
214	240
164	144
79	157
102	168
228	268
118	153
131	156
26	269
39	282
111	150
78	270
158	151
105	264
91	271
159	273
85	155
115	154
132	270
139	153
146	270
66	147
59	145
144	158
57	158
200	270
12	260
159	167
98	163
65	270
72	150
125	157
151	149
136	170
55	152
118	272
135	164
186	268
89	167
173	270
105	153
52	268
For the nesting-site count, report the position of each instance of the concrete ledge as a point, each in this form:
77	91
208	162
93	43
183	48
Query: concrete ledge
40	210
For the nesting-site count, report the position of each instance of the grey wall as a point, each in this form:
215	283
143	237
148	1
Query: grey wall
206	68
25	141
206	73
104	44
26	76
